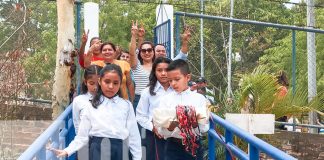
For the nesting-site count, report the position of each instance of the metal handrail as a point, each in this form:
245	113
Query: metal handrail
57	133
301	125
251	22
255	144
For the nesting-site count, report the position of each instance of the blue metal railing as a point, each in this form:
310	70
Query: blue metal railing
255	144
61	132
58	134
162	35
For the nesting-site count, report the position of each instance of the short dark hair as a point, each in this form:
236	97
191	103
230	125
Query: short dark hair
180	64
160	44
108	44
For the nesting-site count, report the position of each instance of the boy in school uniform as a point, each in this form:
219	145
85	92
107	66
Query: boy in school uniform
178	74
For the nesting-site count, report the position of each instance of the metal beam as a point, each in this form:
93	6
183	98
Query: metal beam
244	21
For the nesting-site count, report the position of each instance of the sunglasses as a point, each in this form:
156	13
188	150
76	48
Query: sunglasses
146	50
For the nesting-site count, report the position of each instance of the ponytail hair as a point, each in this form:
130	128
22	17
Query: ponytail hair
88	73
98	98
153	79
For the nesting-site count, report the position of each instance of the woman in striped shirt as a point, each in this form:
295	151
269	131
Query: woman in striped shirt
141	63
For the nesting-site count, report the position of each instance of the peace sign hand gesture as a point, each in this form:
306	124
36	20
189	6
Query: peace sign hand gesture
186	34
84	38
141	31
134	30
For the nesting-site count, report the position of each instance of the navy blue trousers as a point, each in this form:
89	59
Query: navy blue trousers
176	151
136	100
107	149
154	146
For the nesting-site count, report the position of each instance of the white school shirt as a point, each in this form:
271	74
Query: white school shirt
141	76
187	98
113	118
78	105
146	104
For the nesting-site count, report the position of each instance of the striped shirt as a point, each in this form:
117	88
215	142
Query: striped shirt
141	78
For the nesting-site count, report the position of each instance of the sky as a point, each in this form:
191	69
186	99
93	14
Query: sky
291	5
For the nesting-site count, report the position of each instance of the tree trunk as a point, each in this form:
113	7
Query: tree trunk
62	80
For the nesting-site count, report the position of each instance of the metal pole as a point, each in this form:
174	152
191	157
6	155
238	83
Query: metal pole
78	37
293	34
311	61
244	21
211	143
293	61
229	65
177	34
202	68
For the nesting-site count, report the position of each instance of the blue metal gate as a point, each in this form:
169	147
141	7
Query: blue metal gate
162	35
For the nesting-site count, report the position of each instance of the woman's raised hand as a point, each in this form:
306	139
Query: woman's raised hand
141	31
84	38
134	30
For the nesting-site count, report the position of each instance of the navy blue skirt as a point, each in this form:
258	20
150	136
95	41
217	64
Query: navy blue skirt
108	149
154	146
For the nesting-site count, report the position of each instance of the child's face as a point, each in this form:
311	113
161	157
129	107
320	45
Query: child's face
161	73
178	81
92	83
125	57
110	84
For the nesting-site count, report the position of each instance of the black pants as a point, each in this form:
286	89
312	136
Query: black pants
107	149
154	146
176	151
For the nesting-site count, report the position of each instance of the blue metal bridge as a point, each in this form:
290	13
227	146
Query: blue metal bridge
61	132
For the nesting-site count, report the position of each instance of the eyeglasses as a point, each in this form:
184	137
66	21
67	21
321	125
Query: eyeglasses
147	50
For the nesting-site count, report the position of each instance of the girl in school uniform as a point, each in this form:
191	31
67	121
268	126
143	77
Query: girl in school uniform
108	123
150	98
88	90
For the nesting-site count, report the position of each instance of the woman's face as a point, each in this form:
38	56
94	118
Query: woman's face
125	57
97	48
108	53
147	52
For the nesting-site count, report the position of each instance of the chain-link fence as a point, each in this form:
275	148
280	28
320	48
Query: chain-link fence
27	62
27	50
270	46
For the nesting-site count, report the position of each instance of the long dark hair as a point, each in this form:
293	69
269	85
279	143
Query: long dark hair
97	99
88	73
282	78
153	79
140	48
